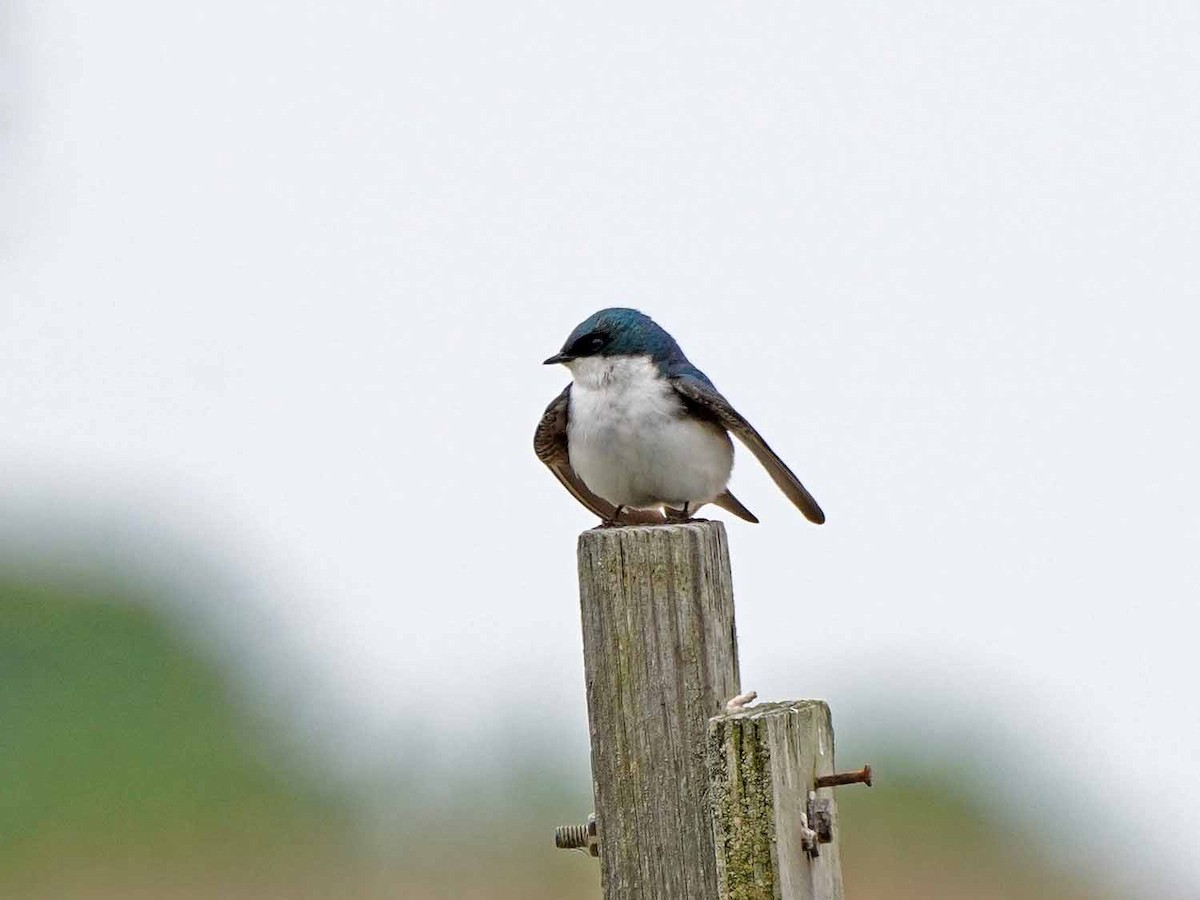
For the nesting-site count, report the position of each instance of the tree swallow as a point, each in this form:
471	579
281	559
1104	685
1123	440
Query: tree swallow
642	431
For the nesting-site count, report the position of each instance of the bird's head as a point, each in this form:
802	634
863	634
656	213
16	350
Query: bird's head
617	332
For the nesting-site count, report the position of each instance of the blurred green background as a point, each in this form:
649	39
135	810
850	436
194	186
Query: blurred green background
133	765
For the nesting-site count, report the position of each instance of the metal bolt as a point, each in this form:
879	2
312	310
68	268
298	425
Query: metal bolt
578	837
822	820
816	825
862	776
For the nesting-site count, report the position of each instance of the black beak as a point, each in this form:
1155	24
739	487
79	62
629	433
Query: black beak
557	358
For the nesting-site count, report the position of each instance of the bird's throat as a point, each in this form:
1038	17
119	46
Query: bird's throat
597	373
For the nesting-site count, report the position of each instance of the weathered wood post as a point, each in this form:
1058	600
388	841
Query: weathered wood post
692	803
766	803
660	659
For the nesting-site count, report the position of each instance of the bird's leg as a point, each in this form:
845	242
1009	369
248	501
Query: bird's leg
677	516
615	521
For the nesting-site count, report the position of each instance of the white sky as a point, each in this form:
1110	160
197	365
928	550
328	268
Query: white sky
283	274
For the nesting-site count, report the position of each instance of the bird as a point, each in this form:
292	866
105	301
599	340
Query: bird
642	436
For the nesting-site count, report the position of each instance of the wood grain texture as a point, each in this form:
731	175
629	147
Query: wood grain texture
763	761
660	658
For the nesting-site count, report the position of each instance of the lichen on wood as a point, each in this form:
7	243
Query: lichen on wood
762	762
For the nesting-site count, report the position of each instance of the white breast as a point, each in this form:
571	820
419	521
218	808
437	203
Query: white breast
632	442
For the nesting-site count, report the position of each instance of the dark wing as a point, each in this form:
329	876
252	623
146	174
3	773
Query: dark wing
707	401
550	445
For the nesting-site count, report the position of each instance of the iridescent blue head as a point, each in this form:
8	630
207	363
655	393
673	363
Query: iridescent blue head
619	332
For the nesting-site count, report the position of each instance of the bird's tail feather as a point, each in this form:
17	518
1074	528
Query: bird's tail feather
732	504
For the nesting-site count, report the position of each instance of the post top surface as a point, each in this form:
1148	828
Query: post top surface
666	530
763	710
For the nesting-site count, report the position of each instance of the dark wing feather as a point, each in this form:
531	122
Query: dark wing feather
550	445
732	504
707	401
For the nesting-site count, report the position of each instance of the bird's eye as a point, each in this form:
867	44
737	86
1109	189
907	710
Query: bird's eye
590	344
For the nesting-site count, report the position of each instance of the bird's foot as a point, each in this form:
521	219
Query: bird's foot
680	516
614	521
636	516
677	516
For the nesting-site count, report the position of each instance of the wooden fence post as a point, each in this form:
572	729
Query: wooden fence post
688	808
660	659
764	762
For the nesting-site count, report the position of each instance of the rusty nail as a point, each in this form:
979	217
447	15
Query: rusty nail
862	776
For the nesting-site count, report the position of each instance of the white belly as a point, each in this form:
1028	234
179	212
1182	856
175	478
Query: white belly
631	444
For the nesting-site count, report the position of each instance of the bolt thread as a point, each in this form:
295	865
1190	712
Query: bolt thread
571	837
